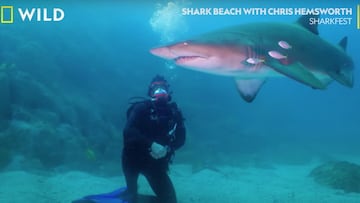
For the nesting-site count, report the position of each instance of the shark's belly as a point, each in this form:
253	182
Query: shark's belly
253	73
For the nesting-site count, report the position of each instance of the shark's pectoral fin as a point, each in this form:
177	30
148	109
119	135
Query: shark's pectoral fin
248	88
297	72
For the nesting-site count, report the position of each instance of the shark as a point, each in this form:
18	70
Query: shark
254	52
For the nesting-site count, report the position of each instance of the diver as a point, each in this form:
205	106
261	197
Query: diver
153	132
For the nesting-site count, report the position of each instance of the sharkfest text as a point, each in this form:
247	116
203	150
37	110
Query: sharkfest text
335	16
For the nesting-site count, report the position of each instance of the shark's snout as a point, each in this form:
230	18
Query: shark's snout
163	52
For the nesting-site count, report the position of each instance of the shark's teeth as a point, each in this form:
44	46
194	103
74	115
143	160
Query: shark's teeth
185	58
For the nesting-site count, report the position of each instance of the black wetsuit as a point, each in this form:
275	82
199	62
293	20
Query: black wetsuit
150	122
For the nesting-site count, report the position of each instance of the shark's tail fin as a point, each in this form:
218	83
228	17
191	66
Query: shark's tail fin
344	74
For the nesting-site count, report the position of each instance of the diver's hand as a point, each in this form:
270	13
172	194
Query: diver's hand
157	151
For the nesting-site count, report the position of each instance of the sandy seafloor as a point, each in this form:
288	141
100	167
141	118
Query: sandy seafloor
279	184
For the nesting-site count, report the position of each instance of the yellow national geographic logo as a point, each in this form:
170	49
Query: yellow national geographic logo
7	14
358	16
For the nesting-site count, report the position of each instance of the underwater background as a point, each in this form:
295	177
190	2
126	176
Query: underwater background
65	88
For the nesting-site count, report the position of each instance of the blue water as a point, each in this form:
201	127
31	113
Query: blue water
93	61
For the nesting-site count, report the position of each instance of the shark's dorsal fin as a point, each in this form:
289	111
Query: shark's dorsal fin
248	88
343	43
305	22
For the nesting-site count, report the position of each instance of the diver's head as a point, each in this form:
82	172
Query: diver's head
159	89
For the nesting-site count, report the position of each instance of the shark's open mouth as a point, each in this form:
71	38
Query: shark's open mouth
182	59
